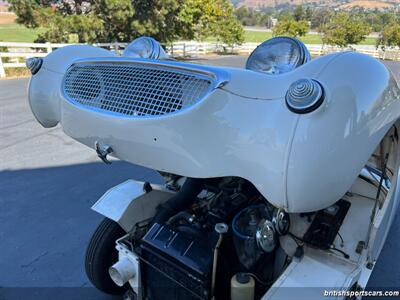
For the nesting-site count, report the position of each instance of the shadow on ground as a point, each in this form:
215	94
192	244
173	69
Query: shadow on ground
46	222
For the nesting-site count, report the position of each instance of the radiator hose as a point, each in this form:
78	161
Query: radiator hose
180	201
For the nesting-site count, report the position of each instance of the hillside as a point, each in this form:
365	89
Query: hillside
340	4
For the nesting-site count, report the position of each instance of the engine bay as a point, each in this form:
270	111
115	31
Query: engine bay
218	237
190	237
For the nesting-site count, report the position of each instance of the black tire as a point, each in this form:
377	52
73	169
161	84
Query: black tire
101	254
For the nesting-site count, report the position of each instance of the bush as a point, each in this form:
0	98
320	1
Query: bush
290	27
343	30
4	50
390	36
17	72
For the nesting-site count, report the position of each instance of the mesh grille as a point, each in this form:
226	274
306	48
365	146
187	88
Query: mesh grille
134	89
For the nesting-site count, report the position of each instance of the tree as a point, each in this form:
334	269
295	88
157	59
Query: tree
69	7
242	13
309	13
378	20
249	17
26	10
204	18
290	27
124	20
299	13
320	17
344	30
89	21
284	15
390	35
71	29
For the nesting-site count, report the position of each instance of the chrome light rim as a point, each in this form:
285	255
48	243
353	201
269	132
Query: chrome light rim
302	58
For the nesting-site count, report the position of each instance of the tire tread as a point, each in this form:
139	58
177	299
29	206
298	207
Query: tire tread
97	258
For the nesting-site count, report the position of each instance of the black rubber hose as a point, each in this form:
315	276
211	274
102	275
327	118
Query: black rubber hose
180	201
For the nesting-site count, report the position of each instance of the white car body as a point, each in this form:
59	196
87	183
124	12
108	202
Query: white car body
242	127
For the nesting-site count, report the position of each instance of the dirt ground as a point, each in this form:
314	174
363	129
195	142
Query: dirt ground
6	18
367	4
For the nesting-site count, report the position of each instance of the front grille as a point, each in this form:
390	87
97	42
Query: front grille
134	89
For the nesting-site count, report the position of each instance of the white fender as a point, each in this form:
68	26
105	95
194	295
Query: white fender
243	127
44	87
129	202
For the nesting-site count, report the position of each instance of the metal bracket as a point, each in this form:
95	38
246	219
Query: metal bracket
103	151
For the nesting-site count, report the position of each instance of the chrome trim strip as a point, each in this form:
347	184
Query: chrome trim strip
375	175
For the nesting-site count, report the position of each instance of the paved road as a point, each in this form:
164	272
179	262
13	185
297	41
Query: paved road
48	183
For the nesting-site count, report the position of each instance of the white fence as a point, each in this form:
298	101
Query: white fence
14	54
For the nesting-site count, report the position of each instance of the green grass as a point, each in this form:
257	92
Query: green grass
369	41
258	37
18	33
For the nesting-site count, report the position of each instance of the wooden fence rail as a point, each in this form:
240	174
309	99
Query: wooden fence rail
16	53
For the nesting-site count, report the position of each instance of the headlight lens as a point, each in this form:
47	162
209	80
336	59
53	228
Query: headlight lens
145	47
278	55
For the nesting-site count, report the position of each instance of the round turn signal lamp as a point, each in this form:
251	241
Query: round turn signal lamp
304	96
34	64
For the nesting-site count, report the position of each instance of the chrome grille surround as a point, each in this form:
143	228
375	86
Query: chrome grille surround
135	89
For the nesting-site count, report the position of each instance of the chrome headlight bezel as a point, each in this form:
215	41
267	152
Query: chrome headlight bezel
145	47
278	55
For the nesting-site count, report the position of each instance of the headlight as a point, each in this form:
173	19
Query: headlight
278	55
145	47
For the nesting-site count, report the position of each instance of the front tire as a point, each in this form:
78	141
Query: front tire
101	255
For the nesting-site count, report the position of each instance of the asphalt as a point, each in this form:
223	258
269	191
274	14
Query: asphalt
48	183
